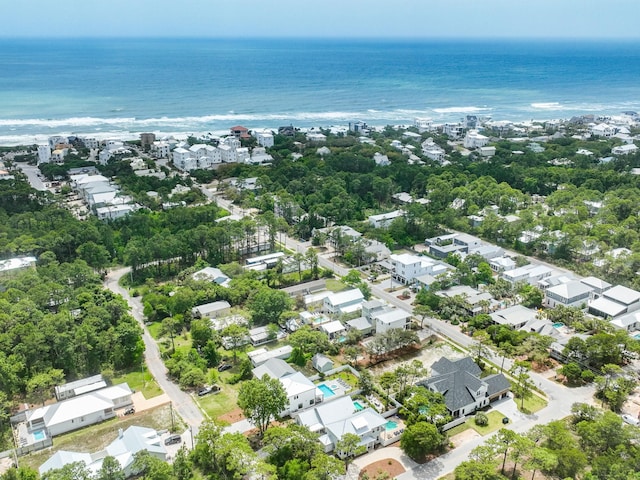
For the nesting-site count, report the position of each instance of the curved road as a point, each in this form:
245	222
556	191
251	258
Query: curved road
181	401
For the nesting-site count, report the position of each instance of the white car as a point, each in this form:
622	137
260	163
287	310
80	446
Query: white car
631	420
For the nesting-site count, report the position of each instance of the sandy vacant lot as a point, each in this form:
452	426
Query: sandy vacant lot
428	356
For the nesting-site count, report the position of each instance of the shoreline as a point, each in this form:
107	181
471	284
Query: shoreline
455	116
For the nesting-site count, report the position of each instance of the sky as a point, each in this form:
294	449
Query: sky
616	19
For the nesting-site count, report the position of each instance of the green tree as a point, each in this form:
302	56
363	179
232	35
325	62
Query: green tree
40	387
501	444
324	467
541	460
268	305
262	401
236	335
349	447
477	470
110	469
182	465
71	471
420	439
309	341
523	387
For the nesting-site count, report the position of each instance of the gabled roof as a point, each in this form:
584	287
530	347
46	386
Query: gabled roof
274	368
460	383
391	316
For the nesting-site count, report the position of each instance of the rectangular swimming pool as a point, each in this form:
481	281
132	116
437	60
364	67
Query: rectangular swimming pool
39	435
326	390
391	425
358	406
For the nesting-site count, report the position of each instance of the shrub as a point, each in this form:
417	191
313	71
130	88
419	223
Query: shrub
481	419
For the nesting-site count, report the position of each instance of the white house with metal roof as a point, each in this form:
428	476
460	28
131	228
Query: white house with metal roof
80	411
211	310
383	220
394	318
615	301
133	440
347	301
340	416
516	316
301	392
570	294
212	274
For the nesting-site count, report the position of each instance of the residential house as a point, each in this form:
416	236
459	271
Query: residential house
501	264
264	137
597	286
78	412
381	159
240	132
424	124
515	316
340	416
473	139
615	301
570	294
463	388
334	329
79	387
624	149
322	363
601	130
113	212
383	220
392	318
212	274
316	137
406	267
432	150
629	322
487	151
211	310
360	324
301	392
453	130
348	301
530	274
262	355
124	449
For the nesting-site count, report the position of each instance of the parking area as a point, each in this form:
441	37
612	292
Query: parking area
140	404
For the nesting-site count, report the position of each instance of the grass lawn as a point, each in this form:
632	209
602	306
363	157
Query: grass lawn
140	382
495	423
154	329
220	403
335	285
531	405
96	437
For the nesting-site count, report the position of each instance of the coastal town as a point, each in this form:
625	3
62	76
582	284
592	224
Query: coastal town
414	301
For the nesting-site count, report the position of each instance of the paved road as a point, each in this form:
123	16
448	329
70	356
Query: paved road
182	402
31	171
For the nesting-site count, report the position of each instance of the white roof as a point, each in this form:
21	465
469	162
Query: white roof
570	289
212	307
408	259
607	307
332	327
392	316
296	384
386	216
346	296
623	295
15	263
514	315
625	320
596	283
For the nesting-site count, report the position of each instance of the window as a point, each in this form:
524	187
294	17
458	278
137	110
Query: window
299	406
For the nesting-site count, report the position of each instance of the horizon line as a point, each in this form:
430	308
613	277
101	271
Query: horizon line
328	38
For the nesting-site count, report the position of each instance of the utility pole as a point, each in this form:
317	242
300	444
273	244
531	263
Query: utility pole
173	426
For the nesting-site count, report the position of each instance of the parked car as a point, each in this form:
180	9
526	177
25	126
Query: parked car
130	411
224	366
172	439
206	390
630	419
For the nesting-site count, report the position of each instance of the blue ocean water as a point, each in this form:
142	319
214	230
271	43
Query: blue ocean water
120	86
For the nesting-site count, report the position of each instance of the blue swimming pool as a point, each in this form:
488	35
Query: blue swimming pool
326	390
39	435
391	425
358	406
558	325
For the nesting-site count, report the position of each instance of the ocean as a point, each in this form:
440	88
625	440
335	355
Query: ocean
121	87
